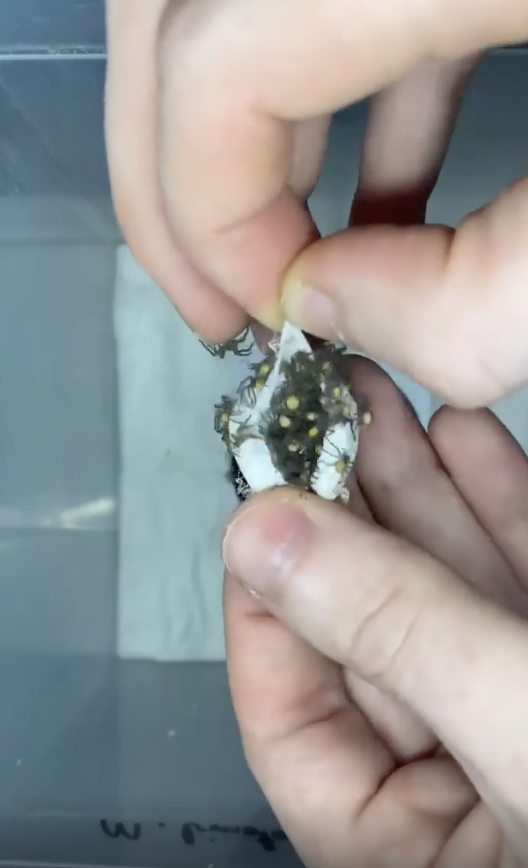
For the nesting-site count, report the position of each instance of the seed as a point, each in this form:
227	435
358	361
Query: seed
293	447
259	385
284	422
313	432
311	416
264	369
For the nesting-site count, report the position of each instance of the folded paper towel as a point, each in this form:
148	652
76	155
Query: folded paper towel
174	495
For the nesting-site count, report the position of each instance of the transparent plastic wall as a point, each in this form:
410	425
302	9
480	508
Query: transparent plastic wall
107	760
103	760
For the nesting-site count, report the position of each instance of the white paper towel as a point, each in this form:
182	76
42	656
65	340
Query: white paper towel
174	495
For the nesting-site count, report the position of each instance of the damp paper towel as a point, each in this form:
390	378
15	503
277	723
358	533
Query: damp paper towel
174	495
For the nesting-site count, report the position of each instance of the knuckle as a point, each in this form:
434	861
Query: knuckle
385	639
471	384
192	46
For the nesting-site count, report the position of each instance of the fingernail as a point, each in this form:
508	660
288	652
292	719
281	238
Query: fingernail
311	310
262	545
271	316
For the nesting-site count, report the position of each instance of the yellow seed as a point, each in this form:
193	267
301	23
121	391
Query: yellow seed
264	369
224	418
311	416
259	385
336	392
284	422
340	466
313	432
318	449
347	411
292	402
293	447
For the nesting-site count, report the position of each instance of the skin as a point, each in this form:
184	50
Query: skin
379	665
380	675
216	124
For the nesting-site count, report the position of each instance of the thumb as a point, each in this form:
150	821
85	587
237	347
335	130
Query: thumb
236	80
399	619
446	307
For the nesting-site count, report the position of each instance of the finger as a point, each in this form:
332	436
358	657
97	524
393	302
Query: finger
478	842
227	194
401	620
357	503
131	138
490	470
310	139
400	729
411	494
309	747
409	127
426	299
326	775
132	147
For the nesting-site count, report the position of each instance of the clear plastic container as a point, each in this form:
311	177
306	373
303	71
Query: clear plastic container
105	761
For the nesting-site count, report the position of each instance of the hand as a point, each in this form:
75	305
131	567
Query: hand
380	678
216	125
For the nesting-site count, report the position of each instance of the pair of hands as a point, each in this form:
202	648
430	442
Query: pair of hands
380	675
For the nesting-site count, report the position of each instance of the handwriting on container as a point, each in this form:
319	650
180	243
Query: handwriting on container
267	840
191	832
118	830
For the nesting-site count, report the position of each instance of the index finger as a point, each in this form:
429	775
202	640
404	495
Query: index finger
235	77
